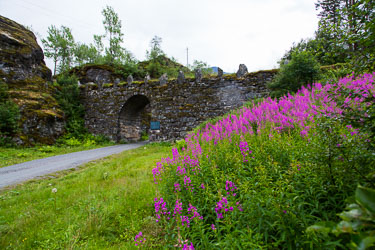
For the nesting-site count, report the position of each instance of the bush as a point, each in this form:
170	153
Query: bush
68	97
301	70
9	115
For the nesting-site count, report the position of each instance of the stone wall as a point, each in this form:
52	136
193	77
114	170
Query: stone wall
179	107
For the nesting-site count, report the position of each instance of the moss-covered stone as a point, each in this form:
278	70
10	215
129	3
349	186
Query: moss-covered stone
23	68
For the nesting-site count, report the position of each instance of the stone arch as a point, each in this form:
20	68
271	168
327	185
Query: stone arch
134	119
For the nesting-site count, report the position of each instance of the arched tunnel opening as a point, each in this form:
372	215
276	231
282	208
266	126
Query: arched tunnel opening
134	119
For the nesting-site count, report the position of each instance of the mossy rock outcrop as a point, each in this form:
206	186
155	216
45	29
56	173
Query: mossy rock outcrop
23	68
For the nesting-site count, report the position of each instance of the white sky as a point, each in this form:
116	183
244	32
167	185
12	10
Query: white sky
222	33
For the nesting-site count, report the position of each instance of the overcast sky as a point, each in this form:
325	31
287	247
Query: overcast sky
222	33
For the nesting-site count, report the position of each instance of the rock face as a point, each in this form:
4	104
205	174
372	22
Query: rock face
21	56
23	68
128	111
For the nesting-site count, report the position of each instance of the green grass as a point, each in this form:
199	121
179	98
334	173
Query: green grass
102	205
15	155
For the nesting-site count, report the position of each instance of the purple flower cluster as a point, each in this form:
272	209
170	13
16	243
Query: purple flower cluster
245	151
175	154
138	237
185	221
231	188
221	207
180	170
187	183
184	245
160	208
194	211
177	208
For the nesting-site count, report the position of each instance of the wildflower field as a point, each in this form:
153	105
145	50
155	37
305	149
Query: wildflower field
275	174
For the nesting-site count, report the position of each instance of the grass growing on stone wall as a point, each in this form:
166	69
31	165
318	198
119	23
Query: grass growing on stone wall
102	205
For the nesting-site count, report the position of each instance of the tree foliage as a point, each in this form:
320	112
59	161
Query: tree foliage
302	69
345	34
203	66
68	97
112	25
59	46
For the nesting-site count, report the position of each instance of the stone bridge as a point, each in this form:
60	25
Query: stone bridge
124	111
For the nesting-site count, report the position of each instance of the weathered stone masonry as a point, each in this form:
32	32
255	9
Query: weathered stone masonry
124	111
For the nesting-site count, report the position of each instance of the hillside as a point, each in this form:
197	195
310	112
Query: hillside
274	175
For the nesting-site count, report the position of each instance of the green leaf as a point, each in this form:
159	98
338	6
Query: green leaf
351	214
324	227
367	242
366	197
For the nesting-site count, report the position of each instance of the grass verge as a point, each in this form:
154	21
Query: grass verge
104	204
15	155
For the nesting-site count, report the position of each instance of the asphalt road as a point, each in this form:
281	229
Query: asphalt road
29	170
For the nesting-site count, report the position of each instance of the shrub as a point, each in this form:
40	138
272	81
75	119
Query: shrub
9	115
68	97
301	70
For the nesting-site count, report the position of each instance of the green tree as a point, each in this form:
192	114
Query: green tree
302	69
85	54
156	57
59	46
155	49
347	26
9	113
206	70
112	25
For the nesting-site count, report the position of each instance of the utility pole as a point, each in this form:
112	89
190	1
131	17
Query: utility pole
187	57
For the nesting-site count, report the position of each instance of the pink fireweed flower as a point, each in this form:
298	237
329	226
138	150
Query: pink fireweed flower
160	208
202	186
213	227
137	239
187	183
177	208
188	247
175	154
221	207
185	221
177	187
230	187
245	151
180	170
157	172
194	211
239	206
